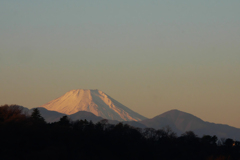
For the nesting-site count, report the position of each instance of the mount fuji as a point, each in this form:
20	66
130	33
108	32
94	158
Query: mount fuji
94	101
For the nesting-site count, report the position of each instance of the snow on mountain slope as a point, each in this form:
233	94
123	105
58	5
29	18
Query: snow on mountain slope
93	101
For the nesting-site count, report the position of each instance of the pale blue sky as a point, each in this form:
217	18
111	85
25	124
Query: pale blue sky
152	56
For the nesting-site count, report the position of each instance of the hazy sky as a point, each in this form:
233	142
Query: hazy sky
152	56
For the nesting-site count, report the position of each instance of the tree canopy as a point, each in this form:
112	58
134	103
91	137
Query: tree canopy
30	137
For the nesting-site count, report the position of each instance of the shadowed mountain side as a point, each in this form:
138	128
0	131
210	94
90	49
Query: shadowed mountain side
53	116
159	123
220	130
85	115
131	123
178	121
181	122
135	124
49	116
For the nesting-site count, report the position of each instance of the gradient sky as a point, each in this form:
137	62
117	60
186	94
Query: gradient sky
152	56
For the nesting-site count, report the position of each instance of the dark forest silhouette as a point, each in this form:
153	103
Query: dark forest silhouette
25	136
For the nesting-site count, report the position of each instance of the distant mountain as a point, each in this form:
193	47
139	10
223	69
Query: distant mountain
134	124
85	115
53	116
159	123
181	122
178	121
94	101
49	116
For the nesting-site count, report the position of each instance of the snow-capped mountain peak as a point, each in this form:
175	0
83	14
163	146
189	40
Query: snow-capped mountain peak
94	101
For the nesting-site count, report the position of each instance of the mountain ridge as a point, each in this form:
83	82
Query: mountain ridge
180	122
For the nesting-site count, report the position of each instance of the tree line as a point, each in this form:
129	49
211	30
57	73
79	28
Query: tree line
24	136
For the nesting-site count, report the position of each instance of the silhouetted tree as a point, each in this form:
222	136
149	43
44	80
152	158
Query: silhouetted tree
64	121
150	133
229	142
11	113
102	124
36	116
169	132
83	139
209	140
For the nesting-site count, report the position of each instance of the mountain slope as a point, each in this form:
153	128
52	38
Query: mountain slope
93	101
85	115
49	116
181	122
159	122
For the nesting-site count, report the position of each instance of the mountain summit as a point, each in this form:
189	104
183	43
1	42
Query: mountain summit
94	101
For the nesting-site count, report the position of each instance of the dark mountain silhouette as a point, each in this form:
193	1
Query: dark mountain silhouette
159	122
178	121
181	122
64	139
49	116
85	115
135	124
53	116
